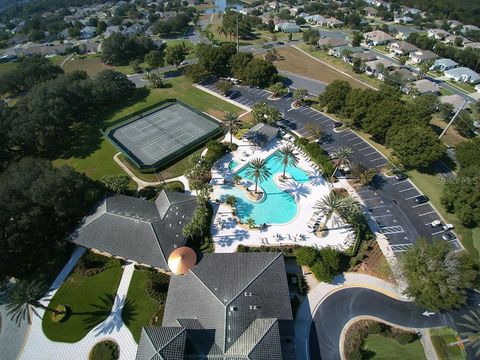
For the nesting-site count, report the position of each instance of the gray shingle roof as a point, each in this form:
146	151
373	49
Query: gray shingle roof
262	133
166	343
231	293
135	229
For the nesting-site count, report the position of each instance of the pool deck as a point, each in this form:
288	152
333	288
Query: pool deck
227	234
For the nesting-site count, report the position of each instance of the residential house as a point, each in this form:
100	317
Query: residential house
138	230
377	37
411	11
370	11
338	51
363	56
472	45
455	100
454	23
401	75
229	306
42	49
477	87
334	23
463	74
287	27
420	56
402	48
113	29
452	39
438	34
374	67
403	20
467	28
421	87
134	29
327	43
443	64
88	32
402	32
316	20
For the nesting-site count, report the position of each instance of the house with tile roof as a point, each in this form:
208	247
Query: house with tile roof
443	64
230	306
142	231
463	74
402	48
420	56
377	37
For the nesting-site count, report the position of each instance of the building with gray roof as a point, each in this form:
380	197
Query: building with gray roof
261	134
230	306
139	230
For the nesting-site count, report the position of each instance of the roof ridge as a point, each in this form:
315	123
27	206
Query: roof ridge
173	338
158	242
198	278
263	336
151	343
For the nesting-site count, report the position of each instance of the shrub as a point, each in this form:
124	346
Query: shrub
306	255
216	150
317	154
402	336
175	186
91	264
105	350
157	286
64	313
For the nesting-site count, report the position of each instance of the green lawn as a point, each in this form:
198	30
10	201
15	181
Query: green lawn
387	348
93	155
441	338
142	306
7	67
432	187
90	300
468	88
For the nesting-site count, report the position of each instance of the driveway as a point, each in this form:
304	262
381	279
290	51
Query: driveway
390	203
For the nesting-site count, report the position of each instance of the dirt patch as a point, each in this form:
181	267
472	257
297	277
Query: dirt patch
374	263
218	114
294	61
91	65
451	137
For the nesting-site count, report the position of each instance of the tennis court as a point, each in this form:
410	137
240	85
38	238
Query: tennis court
159	136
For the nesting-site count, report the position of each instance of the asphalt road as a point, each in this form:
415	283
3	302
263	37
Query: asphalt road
390	202
336	310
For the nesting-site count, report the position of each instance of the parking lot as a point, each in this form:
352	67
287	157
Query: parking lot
391	203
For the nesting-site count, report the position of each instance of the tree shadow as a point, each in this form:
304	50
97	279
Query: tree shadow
87	136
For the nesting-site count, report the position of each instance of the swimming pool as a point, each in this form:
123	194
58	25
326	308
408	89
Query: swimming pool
277	207
232	165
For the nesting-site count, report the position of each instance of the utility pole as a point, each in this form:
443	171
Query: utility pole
238	41
453	119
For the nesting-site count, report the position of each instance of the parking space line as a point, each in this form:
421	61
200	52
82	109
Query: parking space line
400	182
359	192
415	206
373	152
347	134
411	197
427	213
365	148
379	158
381	216
356	144
373	198
377	207
381	165
408	189
438	232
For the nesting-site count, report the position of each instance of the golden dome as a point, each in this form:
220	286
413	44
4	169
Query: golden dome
181	260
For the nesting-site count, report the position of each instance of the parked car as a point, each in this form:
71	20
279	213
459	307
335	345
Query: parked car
401	176
337	124
421	199
447	227
435	223
448	236
234	94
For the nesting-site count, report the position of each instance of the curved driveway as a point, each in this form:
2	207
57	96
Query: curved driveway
337	309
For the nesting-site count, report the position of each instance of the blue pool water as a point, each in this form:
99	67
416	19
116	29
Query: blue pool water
278	207
232	164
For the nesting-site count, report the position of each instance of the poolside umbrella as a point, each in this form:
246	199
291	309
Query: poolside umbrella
181	260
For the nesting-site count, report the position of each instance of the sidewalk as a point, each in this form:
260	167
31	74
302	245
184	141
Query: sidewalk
318	294
38	346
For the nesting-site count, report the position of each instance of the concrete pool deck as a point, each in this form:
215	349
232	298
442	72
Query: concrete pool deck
227	234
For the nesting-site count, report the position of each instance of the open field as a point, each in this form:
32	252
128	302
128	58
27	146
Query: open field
387	348
451	137
92	65
296	62
441	338
7	67
342	66
90	300
93	154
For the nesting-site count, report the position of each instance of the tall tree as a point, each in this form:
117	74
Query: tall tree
287	157
437	277
335	95
232	124
257	170
342	156
174	55
154	59
331	204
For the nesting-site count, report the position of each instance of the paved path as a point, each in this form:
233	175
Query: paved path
39	347
141	183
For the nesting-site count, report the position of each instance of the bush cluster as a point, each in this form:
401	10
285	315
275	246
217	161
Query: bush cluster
360	330
216	150
317	154
157	286
105	350
92	263
64	313
288	251
324	263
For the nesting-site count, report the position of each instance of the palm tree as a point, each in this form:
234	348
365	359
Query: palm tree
342	155
331	204
232	124
287	157
471	337
257	170
23	296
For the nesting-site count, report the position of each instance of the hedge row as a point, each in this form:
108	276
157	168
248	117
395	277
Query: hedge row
92	263
157	286
317	154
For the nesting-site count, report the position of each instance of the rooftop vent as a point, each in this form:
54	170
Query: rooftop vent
254	307
233	308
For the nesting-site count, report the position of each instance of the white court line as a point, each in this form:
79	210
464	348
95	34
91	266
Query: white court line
411	197
379	158
427	213
400	182
408	189
436	233
415	206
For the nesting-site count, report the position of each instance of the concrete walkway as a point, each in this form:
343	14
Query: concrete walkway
141	183
317	295
38	346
